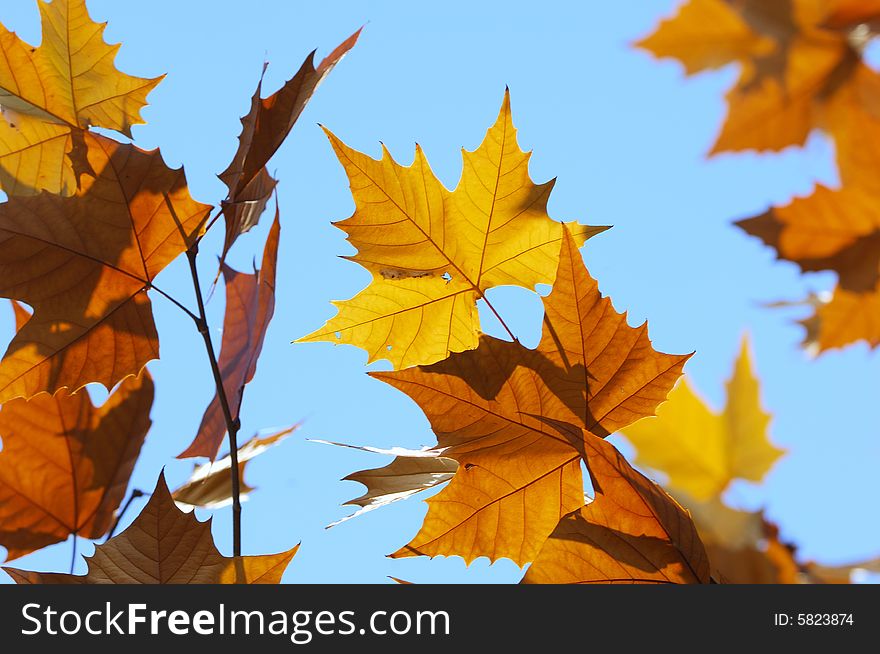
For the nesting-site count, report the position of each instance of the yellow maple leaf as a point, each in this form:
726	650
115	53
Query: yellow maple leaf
702	451
433	253
51	93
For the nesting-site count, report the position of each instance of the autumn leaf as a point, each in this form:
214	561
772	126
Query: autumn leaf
85	264
164	545
496	411
65	464
793	66
210	484
411	472
433	253
743	547
836	230
769	562
718	523
632	532
51	93
702	451
250	304
264	129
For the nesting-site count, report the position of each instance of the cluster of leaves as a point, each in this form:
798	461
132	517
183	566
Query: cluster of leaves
89	224
802	68
702	452
91	221
514	425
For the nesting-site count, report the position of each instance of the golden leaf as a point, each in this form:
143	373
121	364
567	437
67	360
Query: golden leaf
433	253
702	451
53	92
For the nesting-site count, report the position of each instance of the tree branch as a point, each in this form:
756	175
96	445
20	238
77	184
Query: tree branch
232	423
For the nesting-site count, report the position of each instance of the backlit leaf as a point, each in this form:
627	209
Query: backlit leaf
85	264
497	409
433	253
264	129
633	532
65	463
702	451
51	93
164	545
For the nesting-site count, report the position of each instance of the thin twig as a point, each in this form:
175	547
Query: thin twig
232	423
135	493
210	223
201	321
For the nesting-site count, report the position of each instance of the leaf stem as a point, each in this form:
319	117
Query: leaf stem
175	302
135	493
498	316
232	423
210	223
73	554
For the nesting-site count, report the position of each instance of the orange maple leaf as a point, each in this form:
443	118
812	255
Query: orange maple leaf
795	65
496	411
632	532
65	464
85	264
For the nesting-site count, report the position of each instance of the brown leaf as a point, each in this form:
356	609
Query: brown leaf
65	464
164	545
210	485
264	129
838	231
250	304
632	532
743	547
496	410
85	264
768	563
847	318
411	472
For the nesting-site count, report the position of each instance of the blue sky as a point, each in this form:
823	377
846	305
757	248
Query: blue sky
626	137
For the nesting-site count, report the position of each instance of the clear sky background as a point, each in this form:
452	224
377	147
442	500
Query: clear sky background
625	135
